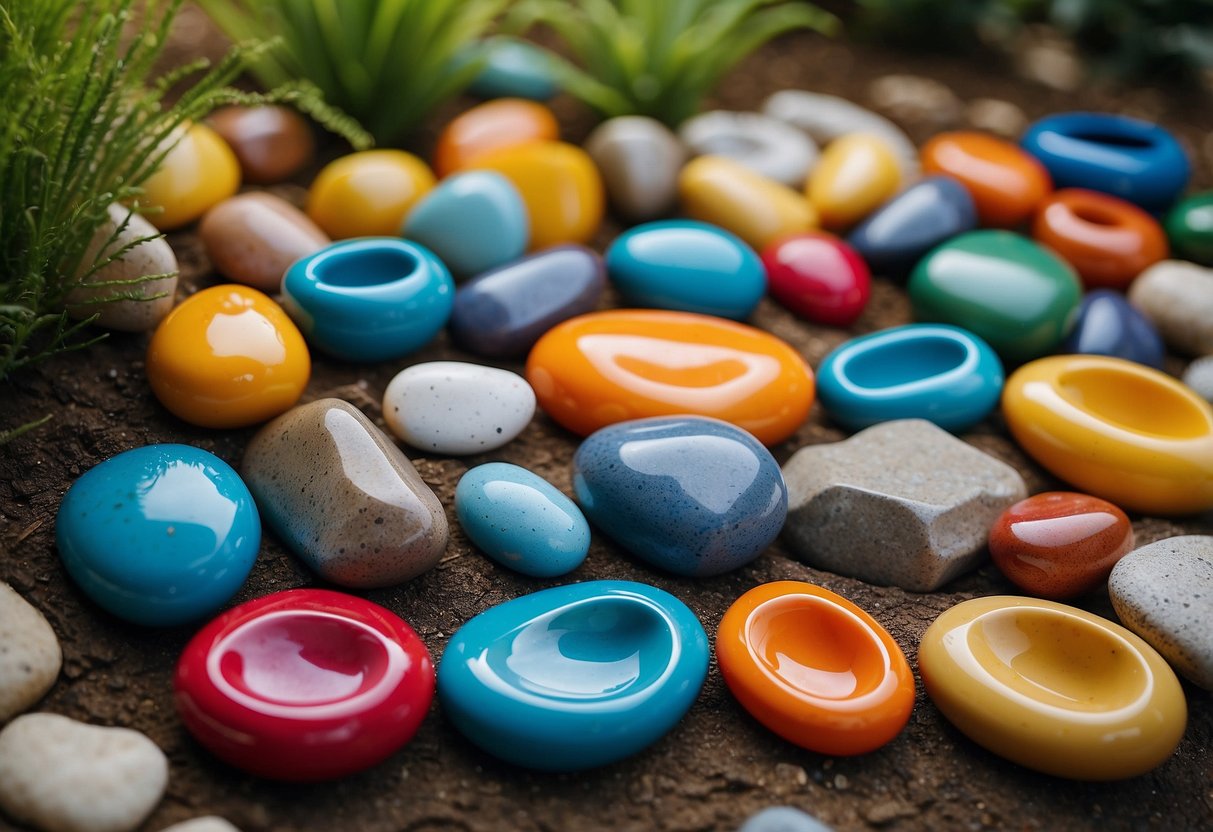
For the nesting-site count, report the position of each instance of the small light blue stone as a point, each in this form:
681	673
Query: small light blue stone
473	221
514	68
1107	324
783	819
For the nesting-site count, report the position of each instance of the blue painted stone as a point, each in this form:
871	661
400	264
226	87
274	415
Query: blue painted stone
1133	159
892	240
514	68
369	299
521	520
575	676
1107	324
502	313
783	819
159	535
473	221
941	373
688	266
691	495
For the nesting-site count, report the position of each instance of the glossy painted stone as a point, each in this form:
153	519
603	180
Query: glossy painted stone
1060	544
304	685
502	313
521	520
559	185
722	192
1115	429
575	676
474	222
815	668
1017	296
819	277
857	173
1108	241
368	194
253	238
343	497
227	357
768	146
607	367
493	125
639	159
1107	324
1053	687
159	535
944	374
896	236
690	495
1006	183
1126	157
515	68
1189	227
272	143
686	265
369	299
1177	297
200	171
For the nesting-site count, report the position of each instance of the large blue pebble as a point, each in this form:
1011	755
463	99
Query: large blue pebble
576	676
473	221
159	535
1107	324
688	494
514	68
893	240
688	266
521	520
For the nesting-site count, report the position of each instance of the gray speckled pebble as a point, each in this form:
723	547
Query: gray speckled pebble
1178	298
783	819
765	145
1199	376
343	497
30	657
902	503
1164	593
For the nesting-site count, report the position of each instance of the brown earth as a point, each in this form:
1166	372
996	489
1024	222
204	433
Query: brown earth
718	766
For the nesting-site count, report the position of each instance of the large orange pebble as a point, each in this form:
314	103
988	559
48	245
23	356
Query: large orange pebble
504	122
1006	182
227	357
856	175
368	194
199	172
607	367
728	194
560	186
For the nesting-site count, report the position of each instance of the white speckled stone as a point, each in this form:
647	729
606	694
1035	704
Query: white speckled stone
765	145
1199	376
639	158
30	657
902	503
211	823
451	407
60	775
1164	592
1178	297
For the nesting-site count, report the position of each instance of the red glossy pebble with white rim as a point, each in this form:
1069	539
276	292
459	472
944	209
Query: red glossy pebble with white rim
304	685
819	277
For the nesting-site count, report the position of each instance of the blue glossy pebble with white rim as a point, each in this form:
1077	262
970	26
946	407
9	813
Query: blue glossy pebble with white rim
473	221
514	68
687	266
370	298
691	495
160	535
927	213
1107	324
1136	160
575	676
521	520
944	374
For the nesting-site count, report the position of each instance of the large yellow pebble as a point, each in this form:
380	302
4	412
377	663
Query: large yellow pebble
368	194
757	209
857	173
198	173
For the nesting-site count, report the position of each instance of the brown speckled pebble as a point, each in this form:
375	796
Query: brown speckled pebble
902	503
343	497
252	238
271	142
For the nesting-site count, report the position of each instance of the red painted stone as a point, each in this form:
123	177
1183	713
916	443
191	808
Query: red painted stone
304	685
819	277
1060	544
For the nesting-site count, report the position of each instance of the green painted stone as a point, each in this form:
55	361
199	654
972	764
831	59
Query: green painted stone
1018	296
1189	227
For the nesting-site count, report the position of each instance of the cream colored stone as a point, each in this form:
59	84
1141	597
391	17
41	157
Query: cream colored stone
30	657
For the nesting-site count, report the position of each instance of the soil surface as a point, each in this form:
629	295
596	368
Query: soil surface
718	766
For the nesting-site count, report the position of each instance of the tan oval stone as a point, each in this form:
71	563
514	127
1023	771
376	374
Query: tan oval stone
272	143
252	238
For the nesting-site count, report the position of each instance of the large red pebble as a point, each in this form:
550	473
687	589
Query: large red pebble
819	277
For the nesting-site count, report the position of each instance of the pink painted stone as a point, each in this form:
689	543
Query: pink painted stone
252	238
819	277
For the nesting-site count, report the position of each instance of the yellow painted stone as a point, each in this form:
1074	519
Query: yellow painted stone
856	175
198	173
368	194
757	209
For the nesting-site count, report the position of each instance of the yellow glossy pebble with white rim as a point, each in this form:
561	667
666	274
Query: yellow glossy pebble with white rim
1115	429
197	174
368	194
757	209
857	173
1053	687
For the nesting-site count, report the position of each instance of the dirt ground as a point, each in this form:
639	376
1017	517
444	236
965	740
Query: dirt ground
718	766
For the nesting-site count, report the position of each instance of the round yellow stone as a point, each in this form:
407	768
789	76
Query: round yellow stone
757	209
857	173
368	194
197	174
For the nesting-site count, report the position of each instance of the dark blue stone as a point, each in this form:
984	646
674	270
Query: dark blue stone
1107	324
909	225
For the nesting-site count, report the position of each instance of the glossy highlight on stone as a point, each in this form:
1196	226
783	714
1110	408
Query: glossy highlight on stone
897	235
1189	227
493	125
199	172
723	192
1006	183
367	194
1107	324
819	277
857	173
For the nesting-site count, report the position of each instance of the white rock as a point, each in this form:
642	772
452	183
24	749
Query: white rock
1178	297
211	823
61	775
1199	376
996	116
916	99
765	145
30	657
450	407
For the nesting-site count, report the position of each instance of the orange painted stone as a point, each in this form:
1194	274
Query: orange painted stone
607	367
1060	544
493	125
1006	182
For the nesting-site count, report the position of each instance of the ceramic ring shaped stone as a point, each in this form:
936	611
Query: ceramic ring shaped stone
304	685
575	676
369	299
1115	429
944	374
815	668
765	145
1053	688
1126	157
